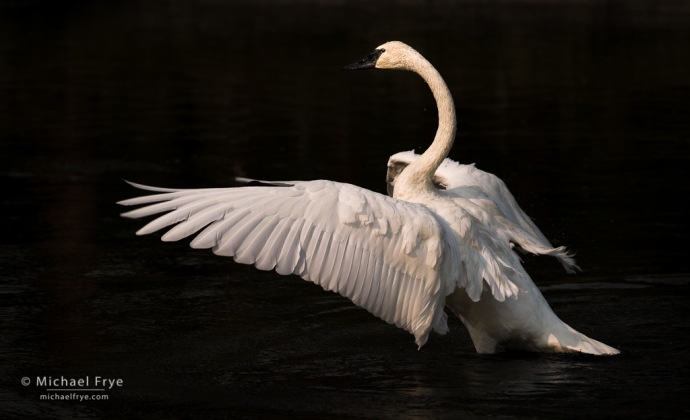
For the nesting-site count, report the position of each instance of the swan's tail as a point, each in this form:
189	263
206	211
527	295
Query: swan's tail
582	344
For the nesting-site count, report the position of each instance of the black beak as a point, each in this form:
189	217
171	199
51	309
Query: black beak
367	63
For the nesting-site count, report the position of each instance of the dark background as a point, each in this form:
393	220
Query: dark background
581	107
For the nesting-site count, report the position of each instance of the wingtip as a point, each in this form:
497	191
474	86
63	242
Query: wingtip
150	188
174	235
148	229
421	340
138	186
127	214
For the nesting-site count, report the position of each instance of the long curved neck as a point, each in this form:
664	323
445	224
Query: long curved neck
419	174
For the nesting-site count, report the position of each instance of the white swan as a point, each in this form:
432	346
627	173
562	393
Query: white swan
403	258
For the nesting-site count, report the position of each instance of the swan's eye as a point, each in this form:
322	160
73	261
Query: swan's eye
373	56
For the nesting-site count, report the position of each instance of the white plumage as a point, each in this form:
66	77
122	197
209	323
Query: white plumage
403	258
486	193
396	259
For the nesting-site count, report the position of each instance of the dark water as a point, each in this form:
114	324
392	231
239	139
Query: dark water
581	107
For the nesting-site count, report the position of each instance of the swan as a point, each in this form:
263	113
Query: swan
445	237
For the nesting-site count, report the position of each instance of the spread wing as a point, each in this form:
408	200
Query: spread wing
396	259
490	195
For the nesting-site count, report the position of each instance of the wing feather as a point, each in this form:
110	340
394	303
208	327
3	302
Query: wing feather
355	277
331	270
233	238
312	249
386	292
490	198
212	235
252	246
271	251
386	255
321	261
196	222
400	315
346	267
291	252
160	207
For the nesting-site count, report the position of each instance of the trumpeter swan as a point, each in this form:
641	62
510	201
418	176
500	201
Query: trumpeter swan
445	237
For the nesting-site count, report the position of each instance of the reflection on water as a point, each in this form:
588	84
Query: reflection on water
585	286
580	107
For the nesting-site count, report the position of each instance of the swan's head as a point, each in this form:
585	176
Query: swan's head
391	55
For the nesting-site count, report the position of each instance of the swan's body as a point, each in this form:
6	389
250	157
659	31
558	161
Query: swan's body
402	258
